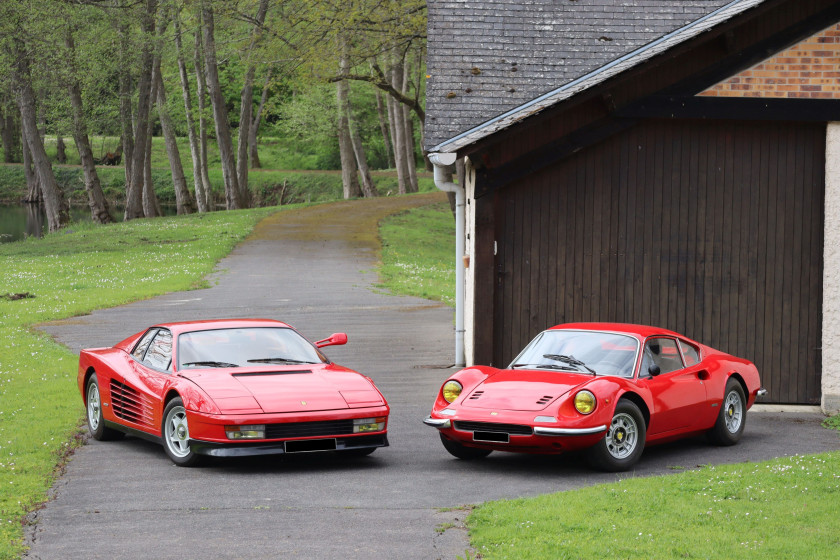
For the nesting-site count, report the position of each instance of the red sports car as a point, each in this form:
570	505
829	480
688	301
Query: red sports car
230	388
607	388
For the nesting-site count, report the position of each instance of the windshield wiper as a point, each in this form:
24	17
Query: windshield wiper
571	360
546	366
279	361
211	364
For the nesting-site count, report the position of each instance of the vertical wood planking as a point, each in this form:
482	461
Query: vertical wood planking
708	228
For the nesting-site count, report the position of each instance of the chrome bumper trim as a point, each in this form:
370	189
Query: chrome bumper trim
438	422
761	392
541	431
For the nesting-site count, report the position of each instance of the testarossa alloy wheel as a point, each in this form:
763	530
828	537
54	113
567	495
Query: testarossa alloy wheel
95	421
176	434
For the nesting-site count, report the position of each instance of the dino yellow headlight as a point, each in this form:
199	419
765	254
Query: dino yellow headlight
451	390
585	402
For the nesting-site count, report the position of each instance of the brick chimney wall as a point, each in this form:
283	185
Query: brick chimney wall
810	69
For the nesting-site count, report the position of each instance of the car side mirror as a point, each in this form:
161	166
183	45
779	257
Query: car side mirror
336	339
654	370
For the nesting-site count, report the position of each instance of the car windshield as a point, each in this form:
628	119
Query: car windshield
245	347
586	352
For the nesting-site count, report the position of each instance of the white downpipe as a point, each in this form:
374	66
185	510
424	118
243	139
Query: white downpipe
444	163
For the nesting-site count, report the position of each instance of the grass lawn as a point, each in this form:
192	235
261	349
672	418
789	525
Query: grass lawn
66	274
418	253
785	508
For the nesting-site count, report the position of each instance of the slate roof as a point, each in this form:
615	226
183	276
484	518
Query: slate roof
489	60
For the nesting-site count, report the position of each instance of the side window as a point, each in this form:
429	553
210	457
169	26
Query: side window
690	353
664	353
159	355
140	350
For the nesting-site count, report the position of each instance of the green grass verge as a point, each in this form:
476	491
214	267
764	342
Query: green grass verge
784	508
63	275
418	253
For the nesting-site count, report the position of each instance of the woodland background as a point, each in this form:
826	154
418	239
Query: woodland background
222	84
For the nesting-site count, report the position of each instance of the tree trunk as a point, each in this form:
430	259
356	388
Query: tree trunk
127	129
383	127
200	197
255	124
99	210
60	150
246	108
55	206
137	204
201	94
183	199
397	129
233	196
410	160
151	207
33	189
349	179
10	131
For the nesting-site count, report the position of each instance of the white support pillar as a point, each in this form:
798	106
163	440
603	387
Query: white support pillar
831	275
469	287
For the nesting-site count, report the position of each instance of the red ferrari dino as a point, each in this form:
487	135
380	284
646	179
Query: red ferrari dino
230	388
607	388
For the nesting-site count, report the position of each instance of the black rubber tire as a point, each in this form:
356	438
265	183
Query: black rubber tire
175	432
732	417
623	444
462	451
95	420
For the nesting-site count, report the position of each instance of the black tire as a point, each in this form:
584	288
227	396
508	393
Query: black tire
622	445
95	420
176	435
462	451
729	426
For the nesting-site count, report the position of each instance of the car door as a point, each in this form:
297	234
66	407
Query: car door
138	400
678	391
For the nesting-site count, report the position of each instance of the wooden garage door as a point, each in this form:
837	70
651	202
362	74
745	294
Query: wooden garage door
712	229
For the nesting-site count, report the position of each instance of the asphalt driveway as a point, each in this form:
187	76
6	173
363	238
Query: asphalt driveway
314	268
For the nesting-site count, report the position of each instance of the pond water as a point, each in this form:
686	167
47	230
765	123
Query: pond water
18	221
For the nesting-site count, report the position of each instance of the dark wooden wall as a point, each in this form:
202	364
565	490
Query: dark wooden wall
710	228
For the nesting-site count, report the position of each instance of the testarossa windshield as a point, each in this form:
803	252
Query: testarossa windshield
587	352
245	347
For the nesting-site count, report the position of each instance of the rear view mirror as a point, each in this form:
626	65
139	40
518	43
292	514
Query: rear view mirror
336	339
654	370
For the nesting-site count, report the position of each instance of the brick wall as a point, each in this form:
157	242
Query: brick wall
810	69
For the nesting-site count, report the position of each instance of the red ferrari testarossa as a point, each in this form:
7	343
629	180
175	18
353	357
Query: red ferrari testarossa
231	387
607	388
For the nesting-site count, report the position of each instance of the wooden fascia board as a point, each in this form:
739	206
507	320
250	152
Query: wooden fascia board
734	108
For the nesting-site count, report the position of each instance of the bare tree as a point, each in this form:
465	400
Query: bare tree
200	195
233	195
135	191
99	209
246	106
55	205
201	94
183	199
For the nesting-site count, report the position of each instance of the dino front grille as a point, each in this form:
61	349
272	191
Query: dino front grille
513	429
129	405
308	429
